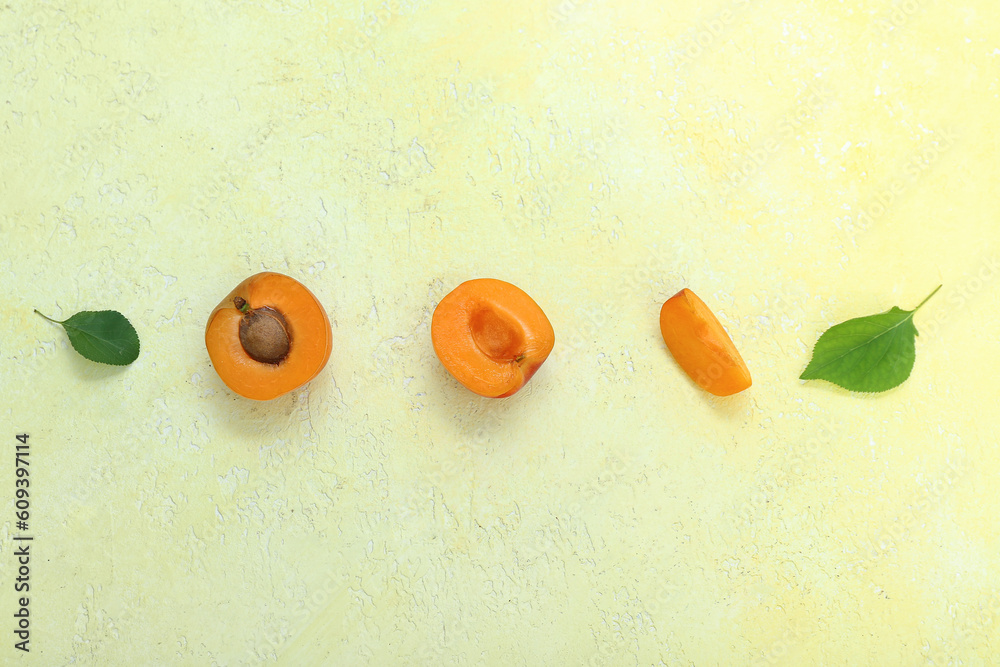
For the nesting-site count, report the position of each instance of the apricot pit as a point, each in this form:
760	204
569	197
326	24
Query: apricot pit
268	337
263	333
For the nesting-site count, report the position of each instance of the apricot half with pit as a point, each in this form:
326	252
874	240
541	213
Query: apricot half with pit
268	337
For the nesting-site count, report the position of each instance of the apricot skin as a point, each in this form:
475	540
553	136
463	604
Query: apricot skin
491	336
701	346
310	337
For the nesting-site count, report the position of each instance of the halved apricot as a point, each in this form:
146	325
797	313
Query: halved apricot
269	336
491	336
701	346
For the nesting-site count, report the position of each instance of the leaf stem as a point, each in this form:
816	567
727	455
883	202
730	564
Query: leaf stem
928	298
49	318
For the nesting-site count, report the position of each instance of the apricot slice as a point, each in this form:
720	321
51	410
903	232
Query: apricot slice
701	346
491	336
269	336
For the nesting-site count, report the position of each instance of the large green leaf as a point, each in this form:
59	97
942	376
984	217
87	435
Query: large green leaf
104	336
867	354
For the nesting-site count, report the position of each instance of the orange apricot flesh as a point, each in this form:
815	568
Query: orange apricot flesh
701	346
268	337
491	336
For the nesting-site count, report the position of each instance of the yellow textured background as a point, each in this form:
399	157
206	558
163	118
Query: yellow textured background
794	163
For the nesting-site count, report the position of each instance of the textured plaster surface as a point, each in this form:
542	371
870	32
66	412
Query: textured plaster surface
794	163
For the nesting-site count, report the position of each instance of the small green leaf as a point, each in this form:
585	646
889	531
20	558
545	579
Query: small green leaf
105	336
868	354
